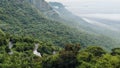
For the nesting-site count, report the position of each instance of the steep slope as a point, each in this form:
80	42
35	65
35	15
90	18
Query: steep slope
45	8
23	19
69	18
89	23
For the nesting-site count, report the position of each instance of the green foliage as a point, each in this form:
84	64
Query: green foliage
65	58
85	65
96	57
69	57
3	38
108	61
48	48
84	56
50	62
22	22
116	51
95	51
22	56
19	60
2	34
17	17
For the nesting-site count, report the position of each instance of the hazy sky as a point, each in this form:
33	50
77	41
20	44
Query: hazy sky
78	0
100	9
82	1
91	6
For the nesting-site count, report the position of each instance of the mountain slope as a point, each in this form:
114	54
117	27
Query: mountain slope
23	19
90	23
69	18
45	8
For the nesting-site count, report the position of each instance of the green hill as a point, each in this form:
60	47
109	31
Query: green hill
29	40
18	17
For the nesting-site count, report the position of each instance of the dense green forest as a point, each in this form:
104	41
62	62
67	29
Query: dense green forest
28	39
18	17
71	56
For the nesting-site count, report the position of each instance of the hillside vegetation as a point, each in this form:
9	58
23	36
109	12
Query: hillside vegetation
19	17
71	56
28	39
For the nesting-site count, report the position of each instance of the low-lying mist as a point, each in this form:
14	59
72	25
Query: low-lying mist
90	19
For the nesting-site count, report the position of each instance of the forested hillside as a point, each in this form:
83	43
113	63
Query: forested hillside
21	54
18	17
28	39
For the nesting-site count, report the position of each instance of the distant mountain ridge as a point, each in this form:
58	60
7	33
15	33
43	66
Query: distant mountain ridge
81	23
70	18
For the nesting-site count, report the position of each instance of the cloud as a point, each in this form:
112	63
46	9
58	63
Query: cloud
84	1
91	6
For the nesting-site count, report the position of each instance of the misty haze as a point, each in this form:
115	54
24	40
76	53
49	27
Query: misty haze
105	15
